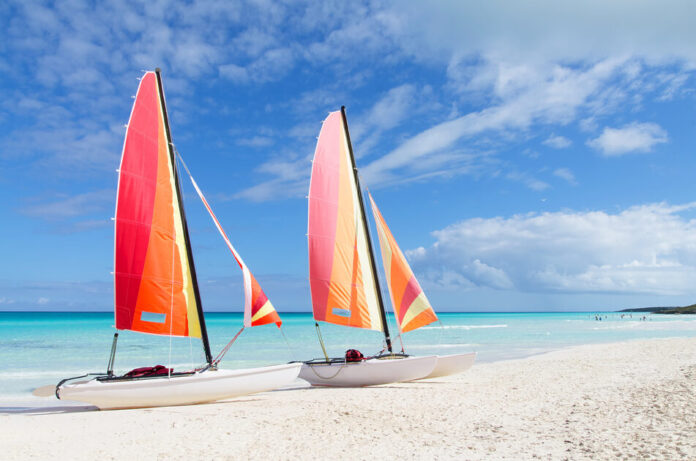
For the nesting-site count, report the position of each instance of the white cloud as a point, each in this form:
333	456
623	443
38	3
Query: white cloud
545	31
290	178
528	180
234	72
70	207
567	175
555	98
255	141
643	249
557	142
272	65
515	75
634	137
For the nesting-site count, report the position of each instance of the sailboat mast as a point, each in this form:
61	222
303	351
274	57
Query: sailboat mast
189	252
382	312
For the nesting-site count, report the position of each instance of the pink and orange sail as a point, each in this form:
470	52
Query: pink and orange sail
341	277
412	308
153	276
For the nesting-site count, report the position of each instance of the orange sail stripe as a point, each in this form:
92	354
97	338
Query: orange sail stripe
340	274
412	308
153	281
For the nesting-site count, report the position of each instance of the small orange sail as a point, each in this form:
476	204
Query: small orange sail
258	309
410	304
154	276
341	277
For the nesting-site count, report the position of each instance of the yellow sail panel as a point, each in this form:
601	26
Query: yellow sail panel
341	276
410	303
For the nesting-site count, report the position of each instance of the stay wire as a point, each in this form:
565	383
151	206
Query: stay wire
226	348
321	341
293	352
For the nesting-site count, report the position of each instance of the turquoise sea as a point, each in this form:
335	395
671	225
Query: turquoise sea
41	348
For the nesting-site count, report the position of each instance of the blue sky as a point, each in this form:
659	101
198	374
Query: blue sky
527	156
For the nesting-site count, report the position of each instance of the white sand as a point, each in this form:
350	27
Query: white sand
634	400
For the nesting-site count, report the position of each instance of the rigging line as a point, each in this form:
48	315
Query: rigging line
226	348
171	302
190	353
442	331
293	353
321	341
340	368
402	343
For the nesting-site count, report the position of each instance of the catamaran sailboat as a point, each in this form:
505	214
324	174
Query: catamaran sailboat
343	276
155	285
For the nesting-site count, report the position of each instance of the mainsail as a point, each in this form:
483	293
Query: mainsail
155	287
411	307
341	271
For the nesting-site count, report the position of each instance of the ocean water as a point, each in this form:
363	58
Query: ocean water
42	348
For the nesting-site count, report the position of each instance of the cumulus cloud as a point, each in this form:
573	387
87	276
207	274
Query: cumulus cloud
643	249
632	138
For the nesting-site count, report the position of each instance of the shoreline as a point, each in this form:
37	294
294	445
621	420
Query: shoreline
633	399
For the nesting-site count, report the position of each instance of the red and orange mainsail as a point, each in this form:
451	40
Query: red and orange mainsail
341	277
153	277
410	304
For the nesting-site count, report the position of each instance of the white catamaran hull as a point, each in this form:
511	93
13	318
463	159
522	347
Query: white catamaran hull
369	372
207	386
452	364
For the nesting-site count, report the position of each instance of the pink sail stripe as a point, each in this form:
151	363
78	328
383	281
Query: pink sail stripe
411	292
323	213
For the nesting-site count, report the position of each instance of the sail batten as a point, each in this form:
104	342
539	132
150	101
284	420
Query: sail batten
154	275
411	306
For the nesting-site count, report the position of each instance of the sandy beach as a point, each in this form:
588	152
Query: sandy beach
632	400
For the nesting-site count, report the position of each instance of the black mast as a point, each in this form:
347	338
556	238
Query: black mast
194	279
382	313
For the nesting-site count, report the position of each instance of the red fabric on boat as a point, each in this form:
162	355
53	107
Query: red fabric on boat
157	370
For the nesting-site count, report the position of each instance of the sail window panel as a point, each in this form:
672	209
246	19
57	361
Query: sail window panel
153	317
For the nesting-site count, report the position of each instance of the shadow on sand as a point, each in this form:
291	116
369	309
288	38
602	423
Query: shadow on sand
39	410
